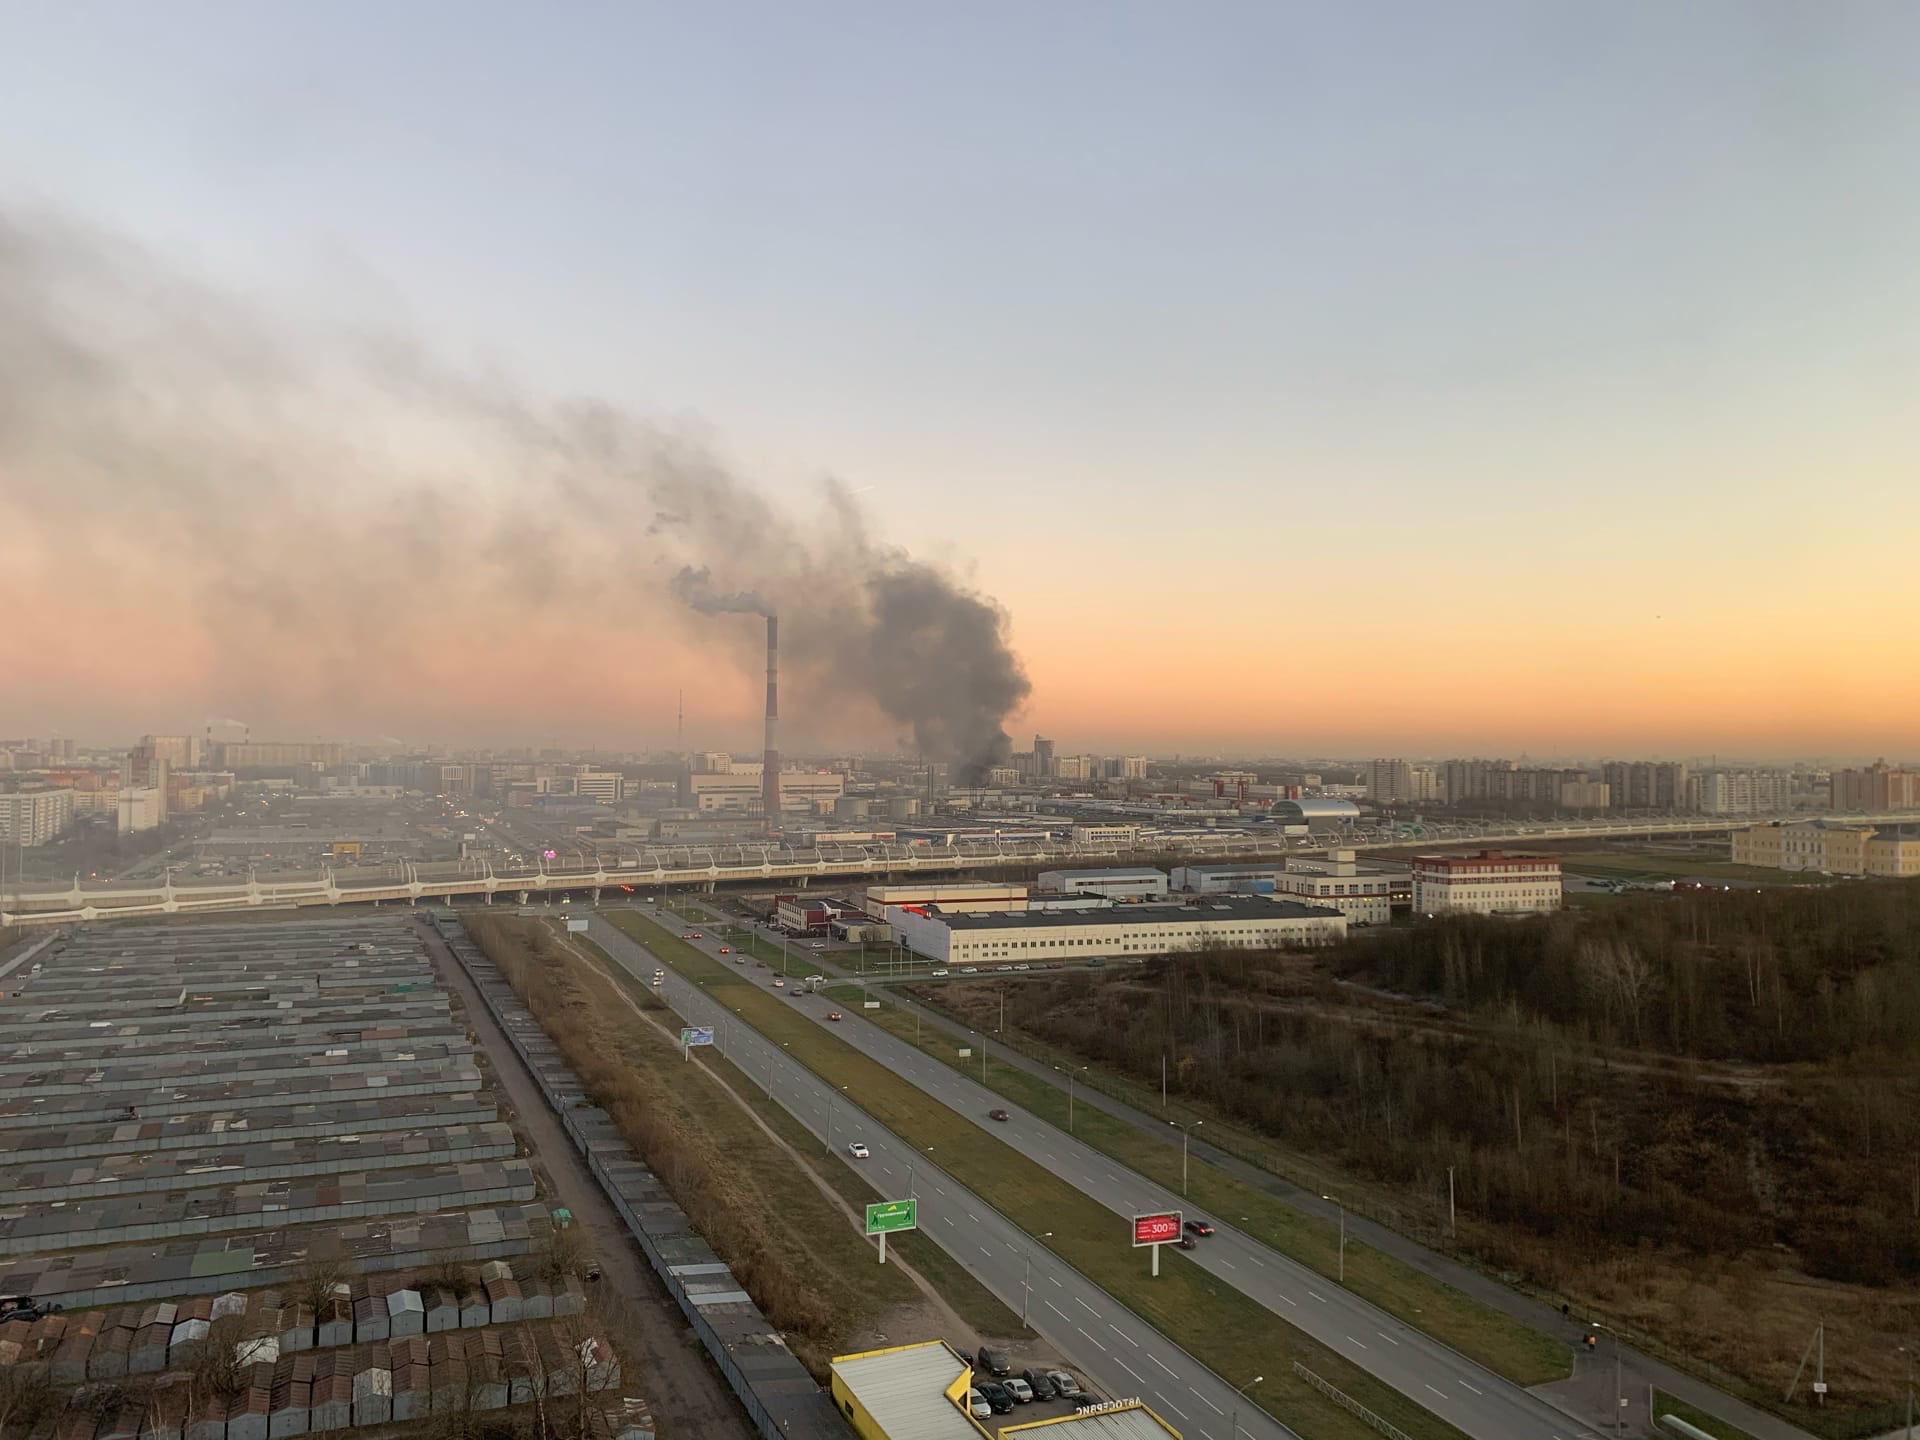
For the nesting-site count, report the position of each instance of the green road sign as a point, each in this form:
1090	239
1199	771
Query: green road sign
891	1215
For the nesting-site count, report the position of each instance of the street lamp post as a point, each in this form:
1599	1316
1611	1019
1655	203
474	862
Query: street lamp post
1067	1070
1619	1395
1238	1396
911	1164
1186	1134
1343	1236
832	1096
1026	1275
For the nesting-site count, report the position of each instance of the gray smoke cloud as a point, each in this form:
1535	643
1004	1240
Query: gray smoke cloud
340	527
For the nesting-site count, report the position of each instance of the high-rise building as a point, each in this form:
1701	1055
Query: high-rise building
606	787
181	752
1043	758
1465	780
1646	785
1133	767
1876	789
34	817
1742	792
1390	782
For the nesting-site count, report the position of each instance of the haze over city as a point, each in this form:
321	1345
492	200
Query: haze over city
1287	381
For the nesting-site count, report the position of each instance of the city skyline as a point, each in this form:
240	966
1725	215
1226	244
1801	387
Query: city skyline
1296	383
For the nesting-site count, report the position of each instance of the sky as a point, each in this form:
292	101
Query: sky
1373	378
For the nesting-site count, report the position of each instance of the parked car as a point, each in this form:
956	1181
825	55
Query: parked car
1040	1383
977	1405
969	969
998	1115
1023	965
858	1151
1065	1385
1198	1227
1096	963
1021	1391
997	1396
937	974
24	1307
995	1362
833	1014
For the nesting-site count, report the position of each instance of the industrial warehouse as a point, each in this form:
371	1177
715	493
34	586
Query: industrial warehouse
1117	932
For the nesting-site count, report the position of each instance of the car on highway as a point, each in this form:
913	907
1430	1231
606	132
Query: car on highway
998	1115
1198	1227
977	1405
995	1362
833	1014
1186	1242
937	974
1041	1383
726	950
858	1150
698	936
1021	1391
778	983
997	1396
818	945
1023	966
1064	1384
688	935
969	969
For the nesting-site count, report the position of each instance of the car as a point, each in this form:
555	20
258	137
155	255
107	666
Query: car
1096	963
1064	1384
965	1355
858	1150
1040	1383
997	1396
688	935
998	1115
1001	969
1198	1227
24	1307
778	983
1023	966
977	1405
833	1014
937	974
698	936
726	950
995	1362
1021	1391
1187	1242
969	969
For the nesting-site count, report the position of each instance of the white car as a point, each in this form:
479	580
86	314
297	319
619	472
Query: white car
937	974
980	1408
1065	1384
857	1150
1019	1389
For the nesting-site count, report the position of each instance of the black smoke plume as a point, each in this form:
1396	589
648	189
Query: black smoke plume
315	514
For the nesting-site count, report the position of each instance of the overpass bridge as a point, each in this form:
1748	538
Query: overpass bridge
705	867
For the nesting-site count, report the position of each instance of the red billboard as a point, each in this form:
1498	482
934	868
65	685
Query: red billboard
1161	1229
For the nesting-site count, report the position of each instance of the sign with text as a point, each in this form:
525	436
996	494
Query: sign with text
889	1216
576	927
693	1035
1161	1229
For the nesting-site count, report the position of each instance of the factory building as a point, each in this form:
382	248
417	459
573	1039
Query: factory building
1120	835
960	897
739	790
1120	932
603	787
1137	882
1492	882
1363	893
1831	849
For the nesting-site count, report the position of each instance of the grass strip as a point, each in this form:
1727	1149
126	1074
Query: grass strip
1665	1404
1500	1342
1224	1329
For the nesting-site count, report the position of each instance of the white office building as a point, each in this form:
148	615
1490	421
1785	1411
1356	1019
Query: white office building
604	787
1492	882
1112	934
737	790
1138	882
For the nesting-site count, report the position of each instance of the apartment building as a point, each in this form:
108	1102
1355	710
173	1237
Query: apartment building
1492	882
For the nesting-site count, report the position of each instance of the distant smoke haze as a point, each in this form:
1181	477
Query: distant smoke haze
338	532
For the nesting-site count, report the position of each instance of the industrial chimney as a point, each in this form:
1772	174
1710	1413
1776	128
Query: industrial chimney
770	771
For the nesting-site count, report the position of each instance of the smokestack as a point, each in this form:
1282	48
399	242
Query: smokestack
770	762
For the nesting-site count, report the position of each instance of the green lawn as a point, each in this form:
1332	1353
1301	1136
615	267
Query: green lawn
1224	1329
1501	1343
1647	866
1665	1404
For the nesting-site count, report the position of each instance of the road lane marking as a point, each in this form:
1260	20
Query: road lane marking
1086	1307
1229	1264
946	1220
1057	1310
1218	1411
1124	1336
1162	1364
1316	1295
1441	1393
1092	1339
1129	1369
973	1217
1361	1343
1173	1407
986	1252
1291	1301
1386	1337
1475	1388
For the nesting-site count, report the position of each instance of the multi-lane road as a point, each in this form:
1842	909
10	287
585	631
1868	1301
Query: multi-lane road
1453	1387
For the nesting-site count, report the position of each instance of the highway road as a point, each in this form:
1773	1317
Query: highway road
1119	1354
1459	1390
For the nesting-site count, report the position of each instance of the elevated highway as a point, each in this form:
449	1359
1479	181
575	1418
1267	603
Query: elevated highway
705	867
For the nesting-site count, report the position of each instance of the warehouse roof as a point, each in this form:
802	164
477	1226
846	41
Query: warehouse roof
905	1391
1205	912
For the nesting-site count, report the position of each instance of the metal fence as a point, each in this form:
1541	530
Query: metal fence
1349	1404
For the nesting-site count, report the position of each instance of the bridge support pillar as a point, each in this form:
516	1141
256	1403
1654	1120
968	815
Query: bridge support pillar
596	894
523	897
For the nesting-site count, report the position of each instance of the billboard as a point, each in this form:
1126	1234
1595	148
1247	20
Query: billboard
576	927
696	1035
892	1215
1160	1229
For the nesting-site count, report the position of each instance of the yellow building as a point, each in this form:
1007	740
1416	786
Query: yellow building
919	1392
1882	850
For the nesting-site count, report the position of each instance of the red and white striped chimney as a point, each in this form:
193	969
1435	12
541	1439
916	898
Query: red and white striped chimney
770	773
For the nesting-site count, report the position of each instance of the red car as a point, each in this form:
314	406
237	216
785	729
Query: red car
833	1014
724	950
998	1115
